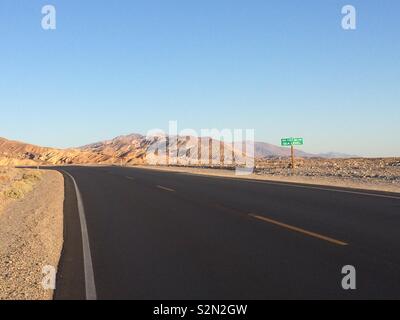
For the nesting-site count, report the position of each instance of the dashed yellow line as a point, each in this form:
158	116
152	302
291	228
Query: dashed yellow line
299	230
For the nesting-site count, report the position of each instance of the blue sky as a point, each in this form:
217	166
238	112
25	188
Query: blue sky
283	68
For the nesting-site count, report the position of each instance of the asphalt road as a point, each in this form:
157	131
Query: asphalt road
164	235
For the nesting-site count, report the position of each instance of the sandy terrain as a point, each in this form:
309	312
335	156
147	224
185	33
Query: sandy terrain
31	230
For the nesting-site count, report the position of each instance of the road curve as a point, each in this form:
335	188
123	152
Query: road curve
163	235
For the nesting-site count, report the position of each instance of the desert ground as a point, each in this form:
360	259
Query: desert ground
364	173
31	230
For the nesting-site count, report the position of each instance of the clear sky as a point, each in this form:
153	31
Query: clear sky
283	68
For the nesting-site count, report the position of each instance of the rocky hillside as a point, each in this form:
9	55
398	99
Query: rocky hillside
129	149
265	150
18	153
138	149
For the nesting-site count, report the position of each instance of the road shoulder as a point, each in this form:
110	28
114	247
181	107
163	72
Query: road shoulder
70	275
31	238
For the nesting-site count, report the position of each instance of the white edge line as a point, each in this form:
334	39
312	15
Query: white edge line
87	256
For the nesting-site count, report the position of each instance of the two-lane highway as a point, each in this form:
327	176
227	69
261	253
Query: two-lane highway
162	235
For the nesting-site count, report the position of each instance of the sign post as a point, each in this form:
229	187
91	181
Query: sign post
286	142
292	155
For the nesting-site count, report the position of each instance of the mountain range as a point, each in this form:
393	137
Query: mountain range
138	149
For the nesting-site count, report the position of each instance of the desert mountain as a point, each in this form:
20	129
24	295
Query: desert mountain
130	149
138	149
336	155
19	153
265	150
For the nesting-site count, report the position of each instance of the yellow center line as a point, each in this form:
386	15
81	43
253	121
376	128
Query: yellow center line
166	189
300	230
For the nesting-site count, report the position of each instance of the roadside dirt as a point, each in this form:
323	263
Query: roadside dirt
31	231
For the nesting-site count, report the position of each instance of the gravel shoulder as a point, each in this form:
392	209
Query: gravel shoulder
31	231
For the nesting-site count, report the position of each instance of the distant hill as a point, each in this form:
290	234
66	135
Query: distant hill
334	155
138	149
129	148
265	150
135	146
19	153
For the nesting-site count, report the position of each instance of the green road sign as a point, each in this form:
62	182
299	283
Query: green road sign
298	141
287	142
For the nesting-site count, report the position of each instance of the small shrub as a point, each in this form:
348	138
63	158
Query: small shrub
31	176
13	193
